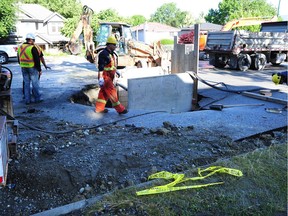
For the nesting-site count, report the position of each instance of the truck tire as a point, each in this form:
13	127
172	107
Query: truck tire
220	61
244	62
3	58
259	61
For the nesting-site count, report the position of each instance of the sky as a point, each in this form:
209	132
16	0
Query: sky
146	8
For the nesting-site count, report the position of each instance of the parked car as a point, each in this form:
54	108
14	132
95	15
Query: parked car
7	51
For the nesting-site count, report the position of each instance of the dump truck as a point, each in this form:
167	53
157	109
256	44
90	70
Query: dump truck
188	38
130	51
243	50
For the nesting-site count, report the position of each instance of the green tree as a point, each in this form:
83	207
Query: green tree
137	20
234	9
169	14
7	20
109	15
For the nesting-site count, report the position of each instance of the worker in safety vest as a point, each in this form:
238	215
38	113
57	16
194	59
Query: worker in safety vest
41	56
29	60
280	78
107	68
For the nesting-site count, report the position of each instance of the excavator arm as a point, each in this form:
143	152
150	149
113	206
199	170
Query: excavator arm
83	25
247	21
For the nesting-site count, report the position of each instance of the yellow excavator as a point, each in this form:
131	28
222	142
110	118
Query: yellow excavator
74	45
130	51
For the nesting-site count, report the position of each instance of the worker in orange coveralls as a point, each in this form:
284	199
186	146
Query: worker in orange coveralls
107	68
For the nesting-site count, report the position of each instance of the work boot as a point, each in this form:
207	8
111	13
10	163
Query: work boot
103	111
123	112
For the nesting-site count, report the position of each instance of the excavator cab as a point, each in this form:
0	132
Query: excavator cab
122	33
130	51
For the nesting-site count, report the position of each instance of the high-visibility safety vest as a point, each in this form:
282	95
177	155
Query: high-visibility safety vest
111	66
39	49
25	56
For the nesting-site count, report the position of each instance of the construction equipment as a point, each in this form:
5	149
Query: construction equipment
130	51
248	21
221	106
8	125
248	50
74	45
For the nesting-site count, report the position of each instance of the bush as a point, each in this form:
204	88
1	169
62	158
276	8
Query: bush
167	41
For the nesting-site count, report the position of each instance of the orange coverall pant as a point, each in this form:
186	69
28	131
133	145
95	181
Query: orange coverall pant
108	91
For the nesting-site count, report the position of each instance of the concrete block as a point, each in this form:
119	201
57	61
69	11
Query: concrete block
170	93
134	72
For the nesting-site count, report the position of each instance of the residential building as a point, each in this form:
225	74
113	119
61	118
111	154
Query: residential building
203	27
45	24
150	32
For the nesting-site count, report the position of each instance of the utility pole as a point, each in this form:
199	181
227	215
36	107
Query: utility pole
278	10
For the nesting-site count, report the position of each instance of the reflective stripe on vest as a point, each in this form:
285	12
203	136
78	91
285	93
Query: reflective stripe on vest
25	56
39	49
111	66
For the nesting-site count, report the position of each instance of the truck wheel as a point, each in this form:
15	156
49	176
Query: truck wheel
259	61
220	62
244	62
3	58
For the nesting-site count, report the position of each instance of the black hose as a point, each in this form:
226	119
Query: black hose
77	129
220	89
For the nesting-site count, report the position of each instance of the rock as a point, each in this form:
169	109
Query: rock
48	150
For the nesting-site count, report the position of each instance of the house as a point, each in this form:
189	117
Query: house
203	27
45	24
150	32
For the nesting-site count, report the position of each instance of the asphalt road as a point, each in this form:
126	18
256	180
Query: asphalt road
70	74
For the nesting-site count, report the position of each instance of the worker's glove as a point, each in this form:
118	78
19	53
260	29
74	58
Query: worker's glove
118	73
46	67
101	82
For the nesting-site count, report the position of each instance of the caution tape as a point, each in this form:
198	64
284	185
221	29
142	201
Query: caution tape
179	178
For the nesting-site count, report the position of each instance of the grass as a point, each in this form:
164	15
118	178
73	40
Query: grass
262	190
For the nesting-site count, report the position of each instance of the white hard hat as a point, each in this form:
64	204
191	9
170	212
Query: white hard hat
30	36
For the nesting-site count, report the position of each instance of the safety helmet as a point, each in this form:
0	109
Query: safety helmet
30	36
111	40
276	78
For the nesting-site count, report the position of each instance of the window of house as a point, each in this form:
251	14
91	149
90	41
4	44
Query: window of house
55	27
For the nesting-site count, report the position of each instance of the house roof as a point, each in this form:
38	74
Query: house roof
205	27
156	27
36	12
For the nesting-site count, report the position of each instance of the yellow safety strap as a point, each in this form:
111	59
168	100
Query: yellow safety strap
179	178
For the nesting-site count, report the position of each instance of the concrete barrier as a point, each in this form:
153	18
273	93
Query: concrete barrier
133	72
171	93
